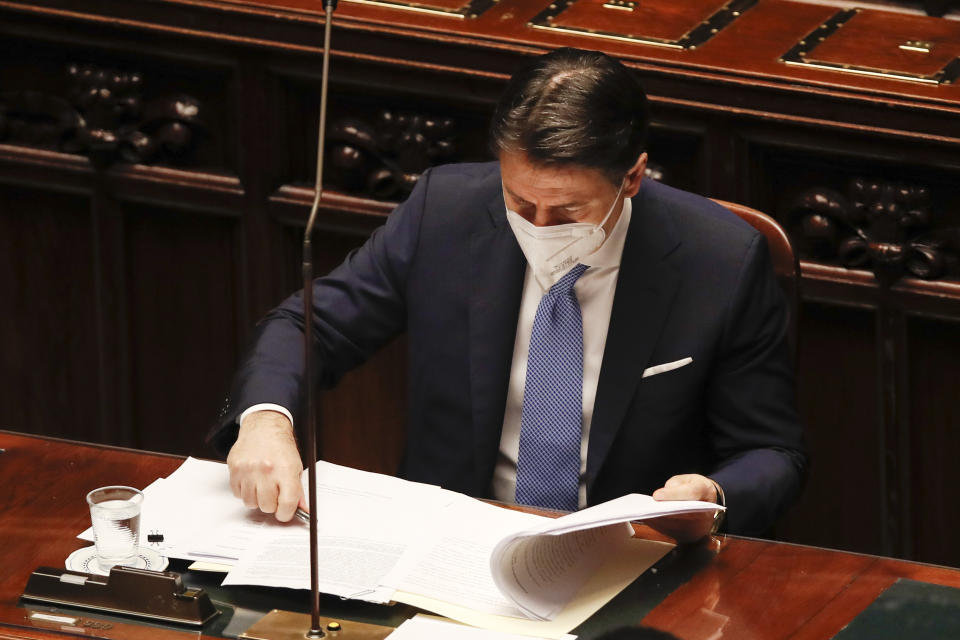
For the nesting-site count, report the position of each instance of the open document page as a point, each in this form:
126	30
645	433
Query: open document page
541	568
452	561
633	557
366	522
522	573
426	627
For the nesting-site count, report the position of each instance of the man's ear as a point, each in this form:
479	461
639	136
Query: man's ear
635	176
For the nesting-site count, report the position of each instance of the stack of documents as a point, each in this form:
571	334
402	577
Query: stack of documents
381	539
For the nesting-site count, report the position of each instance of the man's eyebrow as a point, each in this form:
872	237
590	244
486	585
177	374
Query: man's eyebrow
512	194
565	205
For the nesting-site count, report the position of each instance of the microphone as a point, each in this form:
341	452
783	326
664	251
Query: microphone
352	630
312	454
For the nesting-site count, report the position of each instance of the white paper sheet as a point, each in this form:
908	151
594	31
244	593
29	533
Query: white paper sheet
452	563
540	568
633	506
421	627
356	552
214	524
198	516
542	573
629	561
349	568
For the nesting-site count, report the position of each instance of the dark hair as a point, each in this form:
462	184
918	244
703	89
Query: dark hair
573	107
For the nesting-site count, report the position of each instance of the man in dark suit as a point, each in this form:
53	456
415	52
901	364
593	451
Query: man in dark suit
576	332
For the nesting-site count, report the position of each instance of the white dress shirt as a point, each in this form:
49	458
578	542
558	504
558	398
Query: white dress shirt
594	290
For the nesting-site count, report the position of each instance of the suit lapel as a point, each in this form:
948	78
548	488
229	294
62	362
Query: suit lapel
646	287
498	268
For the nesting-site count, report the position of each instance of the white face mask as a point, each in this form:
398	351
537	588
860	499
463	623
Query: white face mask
552	251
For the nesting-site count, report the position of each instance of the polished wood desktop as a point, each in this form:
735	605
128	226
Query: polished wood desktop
746	588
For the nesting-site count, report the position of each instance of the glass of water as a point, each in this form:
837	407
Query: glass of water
115	513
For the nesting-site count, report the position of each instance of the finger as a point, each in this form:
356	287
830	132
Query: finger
680	480
669	493
670	489
267	492
235	475
289	498
235	483
689	486
676	492
248	493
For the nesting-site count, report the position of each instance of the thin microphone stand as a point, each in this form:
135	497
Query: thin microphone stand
315	630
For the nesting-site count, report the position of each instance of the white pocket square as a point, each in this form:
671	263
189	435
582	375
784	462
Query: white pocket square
667	366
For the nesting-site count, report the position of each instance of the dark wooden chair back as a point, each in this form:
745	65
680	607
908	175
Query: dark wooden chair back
786	263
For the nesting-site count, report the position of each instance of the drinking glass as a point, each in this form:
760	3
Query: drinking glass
115	513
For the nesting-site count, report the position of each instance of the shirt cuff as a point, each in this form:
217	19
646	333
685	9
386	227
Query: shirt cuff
265	406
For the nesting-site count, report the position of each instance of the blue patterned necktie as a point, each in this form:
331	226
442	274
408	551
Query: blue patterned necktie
548	462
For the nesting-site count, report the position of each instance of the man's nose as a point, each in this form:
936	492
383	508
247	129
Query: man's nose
542	217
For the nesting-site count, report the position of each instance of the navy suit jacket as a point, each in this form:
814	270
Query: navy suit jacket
695	281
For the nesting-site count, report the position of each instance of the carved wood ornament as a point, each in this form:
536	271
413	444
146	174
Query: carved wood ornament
105	118
884	227
385	159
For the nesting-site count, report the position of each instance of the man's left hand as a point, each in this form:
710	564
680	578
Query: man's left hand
691	526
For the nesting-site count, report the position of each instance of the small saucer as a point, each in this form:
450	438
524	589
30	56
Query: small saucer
85	560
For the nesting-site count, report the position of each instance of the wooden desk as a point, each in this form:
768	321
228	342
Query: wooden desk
748	588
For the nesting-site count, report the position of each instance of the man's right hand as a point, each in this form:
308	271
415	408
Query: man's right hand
265	465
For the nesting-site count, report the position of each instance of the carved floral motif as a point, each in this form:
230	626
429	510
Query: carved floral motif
883	227
385	158
103	117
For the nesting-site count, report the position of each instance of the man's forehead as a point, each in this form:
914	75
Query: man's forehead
518	162
527	180
558	197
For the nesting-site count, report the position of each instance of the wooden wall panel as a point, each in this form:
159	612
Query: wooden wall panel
842	505
677	151
49	342
182	301
934	350
363	422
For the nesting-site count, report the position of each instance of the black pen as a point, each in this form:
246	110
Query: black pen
303	515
